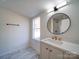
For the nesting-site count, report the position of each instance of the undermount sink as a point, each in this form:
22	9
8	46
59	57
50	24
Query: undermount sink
54	41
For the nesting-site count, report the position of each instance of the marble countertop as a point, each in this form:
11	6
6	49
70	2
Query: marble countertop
66	46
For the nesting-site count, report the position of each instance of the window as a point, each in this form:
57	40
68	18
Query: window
36	28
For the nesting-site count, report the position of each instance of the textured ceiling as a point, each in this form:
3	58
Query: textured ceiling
29	8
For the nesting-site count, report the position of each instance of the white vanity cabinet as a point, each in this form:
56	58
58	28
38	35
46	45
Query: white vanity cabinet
68	55
55	53
51	52
44	51
48	52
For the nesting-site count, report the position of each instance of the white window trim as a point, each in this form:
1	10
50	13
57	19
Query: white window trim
33	28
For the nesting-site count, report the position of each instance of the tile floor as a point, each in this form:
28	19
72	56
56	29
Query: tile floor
22	54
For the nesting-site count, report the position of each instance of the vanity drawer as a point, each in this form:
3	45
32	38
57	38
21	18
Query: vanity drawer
69	55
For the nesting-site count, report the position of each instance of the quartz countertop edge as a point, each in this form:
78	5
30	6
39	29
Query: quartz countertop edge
66	46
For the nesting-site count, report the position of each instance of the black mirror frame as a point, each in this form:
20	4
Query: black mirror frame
61	32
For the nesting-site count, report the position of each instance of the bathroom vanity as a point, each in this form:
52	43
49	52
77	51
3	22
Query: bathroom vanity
55	47
58	50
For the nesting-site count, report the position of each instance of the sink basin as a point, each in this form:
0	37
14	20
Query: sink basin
54	41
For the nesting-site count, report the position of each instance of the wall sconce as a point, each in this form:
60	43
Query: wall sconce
55	8
59	6
64	3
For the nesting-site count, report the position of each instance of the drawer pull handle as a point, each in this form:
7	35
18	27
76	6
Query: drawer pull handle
69	54
50	50
46	48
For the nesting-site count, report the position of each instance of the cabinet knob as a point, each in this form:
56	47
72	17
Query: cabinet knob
46	48
69	54
50	50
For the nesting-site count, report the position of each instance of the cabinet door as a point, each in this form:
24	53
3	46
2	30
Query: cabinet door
55	53
44	51
68	55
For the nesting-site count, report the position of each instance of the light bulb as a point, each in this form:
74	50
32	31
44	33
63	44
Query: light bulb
62	4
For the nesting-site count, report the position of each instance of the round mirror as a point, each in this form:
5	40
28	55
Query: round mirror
58	23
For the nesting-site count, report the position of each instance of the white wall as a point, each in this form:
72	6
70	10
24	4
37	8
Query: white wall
72	11
13	37
72	35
